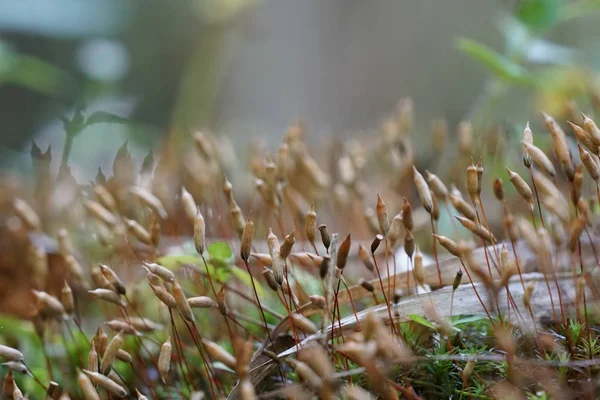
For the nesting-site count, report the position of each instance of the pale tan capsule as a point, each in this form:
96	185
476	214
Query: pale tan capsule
577	184
407	219
66	298
282	161
307	375
527	140
237	219
409	244
591	128
48	305
462	206
27	215
590	163
286	246
556	207
122	326
16	366
246	241
304	324
318	301
17	394
75	269
395	231
138	231
355	392
113	278
272	243
540	159
418	272
140	396
218	353
560	144
343	251
476	228
575	231
164	359
105	198
92	364
100	213
548	188
346	170
584	138
528	293
270	278
310	224
437	186
382	217
38	262
199	232
202	302
465	137
64	243
278	267
365	258
124	356
10	354
145	324
164	296
325	236
263	258
163	272
106	383
181	301
99	279
267	193
87	387
521	186
448	244
108	295
100	340
155	231
247	391
584	208
473	187
529	234
188	204
423	190
149	200
468	370
110	354
498	189
435	212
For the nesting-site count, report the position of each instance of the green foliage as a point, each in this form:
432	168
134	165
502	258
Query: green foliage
539	14
501	66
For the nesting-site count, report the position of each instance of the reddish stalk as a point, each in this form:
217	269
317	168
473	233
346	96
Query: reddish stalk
385	298
435	255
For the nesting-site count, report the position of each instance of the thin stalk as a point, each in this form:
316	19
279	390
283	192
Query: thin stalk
385	298
537	197
435	255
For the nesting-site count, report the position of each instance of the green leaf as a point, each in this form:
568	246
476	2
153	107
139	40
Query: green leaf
99	117
468	319
497	63
421	321
245	278
173	262
220	253
539	14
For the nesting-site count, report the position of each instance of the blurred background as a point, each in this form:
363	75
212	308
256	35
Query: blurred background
247	68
